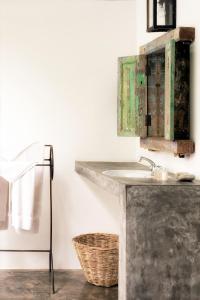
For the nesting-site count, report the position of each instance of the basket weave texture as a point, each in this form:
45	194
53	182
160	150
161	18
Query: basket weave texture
98	254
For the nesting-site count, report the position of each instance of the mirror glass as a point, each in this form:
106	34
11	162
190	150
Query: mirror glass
164	12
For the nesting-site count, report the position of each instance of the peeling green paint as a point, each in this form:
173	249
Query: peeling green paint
132	80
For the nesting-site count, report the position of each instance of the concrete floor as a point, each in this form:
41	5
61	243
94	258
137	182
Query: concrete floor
69	285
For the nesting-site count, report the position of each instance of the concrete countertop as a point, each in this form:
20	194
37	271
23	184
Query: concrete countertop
93	171
159	232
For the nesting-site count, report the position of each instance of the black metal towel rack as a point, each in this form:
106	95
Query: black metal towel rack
47	162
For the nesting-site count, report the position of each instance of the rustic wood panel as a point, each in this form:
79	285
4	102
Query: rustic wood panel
182	91
177	81
132	96
179	147
169	89
178	34
126	86
141	93
155	91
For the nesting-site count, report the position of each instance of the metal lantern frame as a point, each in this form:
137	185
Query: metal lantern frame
156	27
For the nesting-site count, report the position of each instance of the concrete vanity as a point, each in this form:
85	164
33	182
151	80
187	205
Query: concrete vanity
160	233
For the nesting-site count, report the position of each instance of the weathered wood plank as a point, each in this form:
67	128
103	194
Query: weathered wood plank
155	91
141	94
125	93
169	89
178	34
179	147
182	91
126	66
177	90
132	93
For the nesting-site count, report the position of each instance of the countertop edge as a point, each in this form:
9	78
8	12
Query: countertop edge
109	184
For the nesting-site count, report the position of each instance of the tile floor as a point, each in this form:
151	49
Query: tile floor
69	285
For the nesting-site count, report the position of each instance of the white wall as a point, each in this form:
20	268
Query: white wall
58	84
187	15
58	80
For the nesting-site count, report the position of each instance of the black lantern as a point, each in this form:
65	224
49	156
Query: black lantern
161	15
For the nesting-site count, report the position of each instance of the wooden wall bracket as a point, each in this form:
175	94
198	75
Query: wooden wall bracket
178	147
178	34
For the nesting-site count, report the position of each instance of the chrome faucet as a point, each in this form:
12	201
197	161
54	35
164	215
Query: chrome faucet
152	164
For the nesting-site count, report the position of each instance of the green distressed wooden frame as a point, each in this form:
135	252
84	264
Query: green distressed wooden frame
167	143
169	89
132	92
168	42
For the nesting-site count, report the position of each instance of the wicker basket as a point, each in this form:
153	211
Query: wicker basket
98	254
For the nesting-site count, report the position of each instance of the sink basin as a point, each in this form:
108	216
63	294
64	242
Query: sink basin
128	173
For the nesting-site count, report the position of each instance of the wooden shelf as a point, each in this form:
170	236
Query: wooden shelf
178	34
178	147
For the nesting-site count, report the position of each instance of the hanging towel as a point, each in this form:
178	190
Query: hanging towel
26	190
31	152
25	195
4	201
25	181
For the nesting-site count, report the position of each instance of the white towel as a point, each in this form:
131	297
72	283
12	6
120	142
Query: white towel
25	194
25	181
32	152
4	201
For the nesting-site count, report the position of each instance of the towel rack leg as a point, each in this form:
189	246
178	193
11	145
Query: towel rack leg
51	220
52	276
51	269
